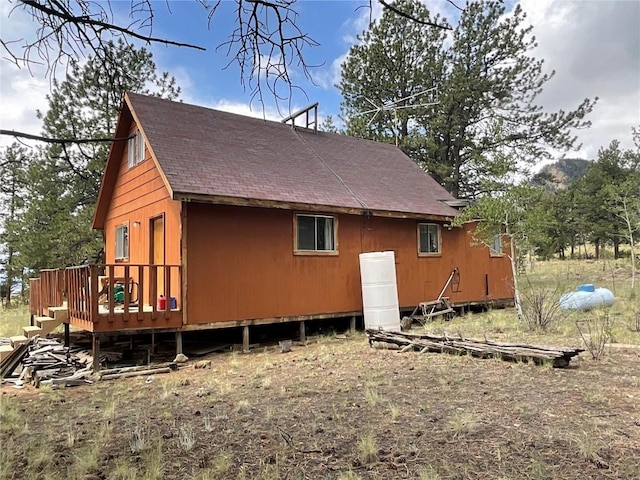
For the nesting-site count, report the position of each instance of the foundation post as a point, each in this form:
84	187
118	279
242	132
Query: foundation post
352	325
67	335
303	332
95	350
245	339
178	343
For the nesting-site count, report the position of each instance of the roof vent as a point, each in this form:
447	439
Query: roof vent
310	123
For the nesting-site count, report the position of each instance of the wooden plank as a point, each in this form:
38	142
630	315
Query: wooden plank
167	289
153	292
477	348
128	283
141	269
93	295
110	292
151	371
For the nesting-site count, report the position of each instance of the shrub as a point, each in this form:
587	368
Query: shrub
595	329
540	307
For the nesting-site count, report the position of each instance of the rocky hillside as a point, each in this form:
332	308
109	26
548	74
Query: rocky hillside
561	174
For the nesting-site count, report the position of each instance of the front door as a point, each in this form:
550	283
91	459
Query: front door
157	251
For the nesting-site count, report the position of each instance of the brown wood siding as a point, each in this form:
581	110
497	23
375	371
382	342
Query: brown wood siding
242	265
140	195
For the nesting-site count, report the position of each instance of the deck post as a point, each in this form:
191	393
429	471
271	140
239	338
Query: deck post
178	343
352	325
303	332
95	350
32	320
245	339
67	336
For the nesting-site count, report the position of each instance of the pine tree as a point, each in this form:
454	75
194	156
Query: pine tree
12	189
487	84
64	183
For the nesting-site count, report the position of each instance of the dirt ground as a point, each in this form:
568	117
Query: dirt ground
335	409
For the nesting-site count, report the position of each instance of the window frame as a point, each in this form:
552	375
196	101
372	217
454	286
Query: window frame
496	240
298	251
123	227
135	150
439	239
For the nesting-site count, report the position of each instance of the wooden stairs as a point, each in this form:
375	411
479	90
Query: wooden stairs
43	326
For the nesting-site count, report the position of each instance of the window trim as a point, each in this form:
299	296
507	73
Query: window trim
326	253
439	233
124	258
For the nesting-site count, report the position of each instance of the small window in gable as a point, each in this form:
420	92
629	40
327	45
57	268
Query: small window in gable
315	233
122	242
495	248
428	238
135	150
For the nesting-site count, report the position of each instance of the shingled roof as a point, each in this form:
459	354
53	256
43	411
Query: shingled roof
210	155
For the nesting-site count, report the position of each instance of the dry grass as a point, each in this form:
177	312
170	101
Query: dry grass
13	319
337	409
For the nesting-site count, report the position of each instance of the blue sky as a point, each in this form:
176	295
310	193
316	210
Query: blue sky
333	24
593	45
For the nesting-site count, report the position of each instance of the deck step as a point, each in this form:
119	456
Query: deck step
32	331
47	324
59	313
17	340
5	350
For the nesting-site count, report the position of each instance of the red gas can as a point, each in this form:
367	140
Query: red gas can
162	302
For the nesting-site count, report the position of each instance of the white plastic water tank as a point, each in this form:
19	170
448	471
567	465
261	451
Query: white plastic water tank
380	291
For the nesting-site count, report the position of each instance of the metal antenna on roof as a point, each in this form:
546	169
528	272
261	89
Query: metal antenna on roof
394	106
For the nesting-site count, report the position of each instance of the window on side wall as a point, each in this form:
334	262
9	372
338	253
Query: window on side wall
315	233
428	238
135	149
122	242
495	248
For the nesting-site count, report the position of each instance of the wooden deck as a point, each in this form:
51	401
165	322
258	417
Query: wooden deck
107	298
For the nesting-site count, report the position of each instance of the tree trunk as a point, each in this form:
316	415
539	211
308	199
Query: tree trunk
514	272
10	275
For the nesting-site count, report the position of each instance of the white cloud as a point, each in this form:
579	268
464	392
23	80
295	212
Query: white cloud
594	47
242	108
22	90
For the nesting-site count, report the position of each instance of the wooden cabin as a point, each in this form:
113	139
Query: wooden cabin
215	220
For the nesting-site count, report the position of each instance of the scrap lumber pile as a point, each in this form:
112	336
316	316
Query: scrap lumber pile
47	361
428	342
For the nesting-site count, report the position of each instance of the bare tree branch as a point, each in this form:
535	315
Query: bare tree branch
266	44
456	6
69	28
99	25
397	11
62	141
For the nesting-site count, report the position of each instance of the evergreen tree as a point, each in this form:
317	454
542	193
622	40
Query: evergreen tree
486	117
65	181
594	197
12	190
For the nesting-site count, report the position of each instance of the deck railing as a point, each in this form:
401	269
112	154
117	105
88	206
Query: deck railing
52	287
48	290
35	302
129	291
